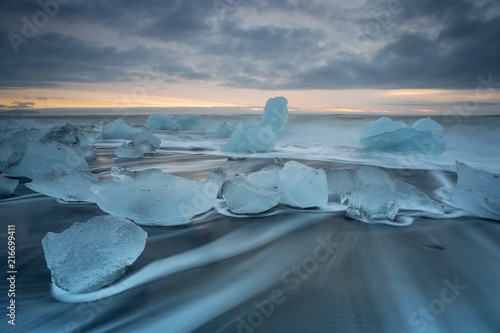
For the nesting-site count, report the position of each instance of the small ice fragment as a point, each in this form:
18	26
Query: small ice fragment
128	150
244	197
7	186
118	129
303	186
158	121
68	186
91	255
146	142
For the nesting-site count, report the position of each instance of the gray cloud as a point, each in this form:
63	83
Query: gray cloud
423	44
20	105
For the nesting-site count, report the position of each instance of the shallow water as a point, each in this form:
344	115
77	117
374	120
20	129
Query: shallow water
283	271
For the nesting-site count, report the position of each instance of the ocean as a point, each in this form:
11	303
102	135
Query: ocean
286	270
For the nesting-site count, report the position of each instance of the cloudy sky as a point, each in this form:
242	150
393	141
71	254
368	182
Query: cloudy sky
400	56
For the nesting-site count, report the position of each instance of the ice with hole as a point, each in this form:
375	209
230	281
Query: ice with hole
158	121
477	191
302	186
424	136
7	186
251	138
118	129
276	113
68	186
88	256
190	122
371	194
41	159
245	197
152	197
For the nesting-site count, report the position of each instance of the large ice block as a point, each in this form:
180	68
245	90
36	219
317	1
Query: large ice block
251	139
477	191
146	142
68	186
41	159
152	197
7	186
276	113
244	197
222	131
371	194
118	129
190	122
303	186
269	177
158	121
91	255
425	136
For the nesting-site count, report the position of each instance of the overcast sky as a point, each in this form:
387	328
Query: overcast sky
402	56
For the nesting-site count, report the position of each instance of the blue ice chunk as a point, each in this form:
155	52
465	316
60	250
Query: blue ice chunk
68	186
118	129
302	186
276	113
158	121
244	197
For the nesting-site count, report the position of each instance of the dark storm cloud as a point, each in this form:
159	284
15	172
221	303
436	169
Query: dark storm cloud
382	44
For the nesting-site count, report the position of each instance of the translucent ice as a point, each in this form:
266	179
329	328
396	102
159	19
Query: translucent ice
128	150
146	142
424	136
118	129
217	177
303	186
152	197
477	191
222	131
159	121
268	177
371	194
244	197
46	158
190	122
73	135
91	255
68	186
251	139
276	113
7	186
13	149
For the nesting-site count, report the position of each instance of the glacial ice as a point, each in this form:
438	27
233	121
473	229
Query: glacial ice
251	139
303	186
222	131
424	136
68	186
477	191
158	121
91	255
152	197
190	122
118	129
276	113
41	159
7	186
244	197
127	150
146	142
371	194
15	145
269	177
72	135
217	177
